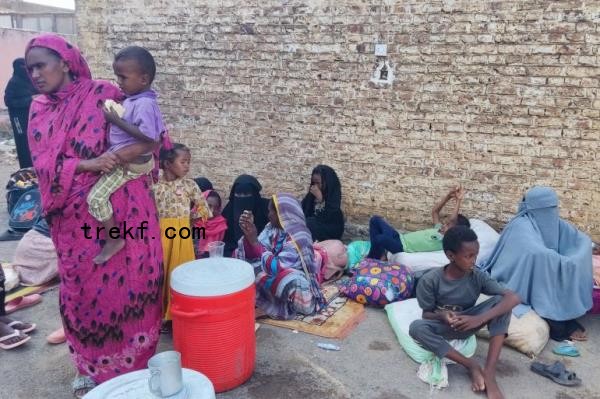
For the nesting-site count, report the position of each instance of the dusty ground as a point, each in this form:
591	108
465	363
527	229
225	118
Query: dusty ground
371	364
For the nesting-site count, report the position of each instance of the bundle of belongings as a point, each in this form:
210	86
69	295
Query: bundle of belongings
23	203
35	262
35	259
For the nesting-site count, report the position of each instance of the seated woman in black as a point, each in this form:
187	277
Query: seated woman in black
321	205
244	196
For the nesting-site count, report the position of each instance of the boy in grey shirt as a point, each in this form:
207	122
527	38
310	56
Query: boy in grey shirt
447	297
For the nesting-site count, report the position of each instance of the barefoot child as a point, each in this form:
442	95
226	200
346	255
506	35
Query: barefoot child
141	121
384	238
447	296
178	199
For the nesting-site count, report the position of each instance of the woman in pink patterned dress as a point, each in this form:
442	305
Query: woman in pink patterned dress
111	312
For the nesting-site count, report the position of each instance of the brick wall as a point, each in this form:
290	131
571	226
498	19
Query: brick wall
496	95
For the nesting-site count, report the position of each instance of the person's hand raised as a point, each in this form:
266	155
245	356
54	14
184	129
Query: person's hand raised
248	227
460	193
314	190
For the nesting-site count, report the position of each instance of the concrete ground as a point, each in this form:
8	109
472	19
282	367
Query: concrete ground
370	365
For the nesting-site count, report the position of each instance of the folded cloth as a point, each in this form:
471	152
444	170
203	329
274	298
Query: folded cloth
35	261
520	310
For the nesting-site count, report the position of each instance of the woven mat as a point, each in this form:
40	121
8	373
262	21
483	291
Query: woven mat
337	320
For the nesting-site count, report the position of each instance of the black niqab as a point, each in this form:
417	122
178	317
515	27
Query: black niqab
20	89
244	184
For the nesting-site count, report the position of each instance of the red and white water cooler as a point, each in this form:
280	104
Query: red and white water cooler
212	307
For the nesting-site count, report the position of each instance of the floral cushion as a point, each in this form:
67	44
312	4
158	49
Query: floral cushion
378	283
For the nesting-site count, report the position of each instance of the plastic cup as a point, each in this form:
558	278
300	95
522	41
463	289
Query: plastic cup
215	249
165	374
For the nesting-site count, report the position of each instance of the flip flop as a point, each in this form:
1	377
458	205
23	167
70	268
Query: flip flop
83	384
14	334
566	348
557	373
22	302
166	327
24	329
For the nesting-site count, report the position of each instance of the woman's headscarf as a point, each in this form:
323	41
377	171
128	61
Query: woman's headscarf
20	89
69	53
203	183
67	125
244	184
541	204
293	222
332	194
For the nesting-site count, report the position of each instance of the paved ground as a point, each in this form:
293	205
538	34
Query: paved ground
370	365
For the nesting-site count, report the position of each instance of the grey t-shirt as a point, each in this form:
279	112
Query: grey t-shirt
435	291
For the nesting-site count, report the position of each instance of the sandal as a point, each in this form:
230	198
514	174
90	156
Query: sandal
166	327
557	373
566	348
82	384
22	302
20	326
15	334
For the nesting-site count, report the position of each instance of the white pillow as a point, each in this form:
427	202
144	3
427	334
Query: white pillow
487	237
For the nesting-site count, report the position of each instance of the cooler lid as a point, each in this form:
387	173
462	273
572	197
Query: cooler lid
212	277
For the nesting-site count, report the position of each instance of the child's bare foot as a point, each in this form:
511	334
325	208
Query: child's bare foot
491	388
110	248
477	378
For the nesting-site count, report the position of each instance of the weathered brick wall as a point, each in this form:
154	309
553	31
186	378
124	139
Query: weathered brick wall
496	95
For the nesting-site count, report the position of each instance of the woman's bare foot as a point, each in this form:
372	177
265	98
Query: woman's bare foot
259	314
57	337
477	378
109	249
578	335
491	388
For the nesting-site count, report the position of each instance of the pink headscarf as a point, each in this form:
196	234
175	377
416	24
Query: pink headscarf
69	53
67	126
